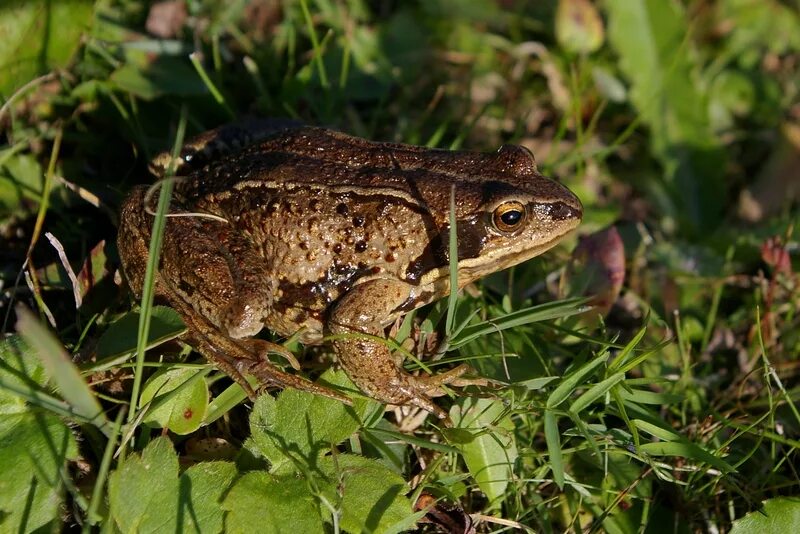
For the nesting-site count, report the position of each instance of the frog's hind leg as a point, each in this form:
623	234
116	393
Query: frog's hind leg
367	361
213	275
239	357
236	358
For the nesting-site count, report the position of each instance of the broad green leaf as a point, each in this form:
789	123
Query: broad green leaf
34	449
304	425
21	181
146	494
373	497
143	491
554	447
120	338
655	53
61	370
202	488
260	502
19	369
38	36
492	451
780	515
184	412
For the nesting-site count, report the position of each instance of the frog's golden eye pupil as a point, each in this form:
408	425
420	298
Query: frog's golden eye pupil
509	216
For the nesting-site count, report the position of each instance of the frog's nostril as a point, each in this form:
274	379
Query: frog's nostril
561	211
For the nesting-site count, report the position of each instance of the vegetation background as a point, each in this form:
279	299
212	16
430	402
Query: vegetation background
670	407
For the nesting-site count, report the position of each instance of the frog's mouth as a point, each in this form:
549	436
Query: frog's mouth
472	269
490	261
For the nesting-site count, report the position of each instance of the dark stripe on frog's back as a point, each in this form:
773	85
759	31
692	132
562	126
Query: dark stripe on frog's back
317	156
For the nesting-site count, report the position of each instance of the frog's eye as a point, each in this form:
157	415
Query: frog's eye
508	216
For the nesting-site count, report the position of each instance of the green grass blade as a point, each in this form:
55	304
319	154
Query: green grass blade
152	266
102	473
61	370
595	392
688	450
452	299
533	314
568	385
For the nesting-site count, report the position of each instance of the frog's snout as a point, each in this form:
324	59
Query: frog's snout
560	210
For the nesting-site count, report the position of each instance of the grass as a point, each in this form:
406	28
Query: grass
669	407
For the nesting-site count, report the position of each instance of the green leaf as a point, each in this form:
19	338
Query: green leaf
643	396
260	502
541	312
61	370
183	413
143	491
572	381
146	494
657	431
535	384
301	426
21	181
777	516
685	449
595	392
150	75
120	338
202	487
34	449
491	454
554	447
38	36
18	370
224	402
373	496
651	39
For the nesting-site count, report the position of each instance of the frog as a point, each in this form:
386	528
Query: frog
318	236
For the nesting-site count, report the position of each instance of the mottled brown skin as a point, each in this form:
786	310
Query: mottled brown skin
330	234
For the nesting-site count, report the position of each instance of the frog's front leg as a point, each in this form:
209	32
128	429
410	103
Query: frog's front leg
368	362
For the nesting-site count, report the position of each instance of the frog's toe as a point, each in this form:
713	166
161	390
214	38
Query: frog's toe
424	402
262	349
431	383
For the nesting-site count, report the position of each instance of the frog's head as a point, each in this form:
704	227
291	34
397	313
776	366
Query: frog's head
506	214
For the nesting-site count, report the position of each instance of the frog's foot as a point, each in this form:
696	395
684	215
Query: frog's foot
262	349
421	388
432	384
239	357
266	373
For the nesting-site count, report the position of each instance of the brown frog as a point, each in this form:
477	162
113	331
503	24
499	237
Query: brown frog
310	232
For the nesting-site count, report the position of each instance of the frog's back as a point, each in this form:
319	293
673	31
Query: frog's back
327	211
